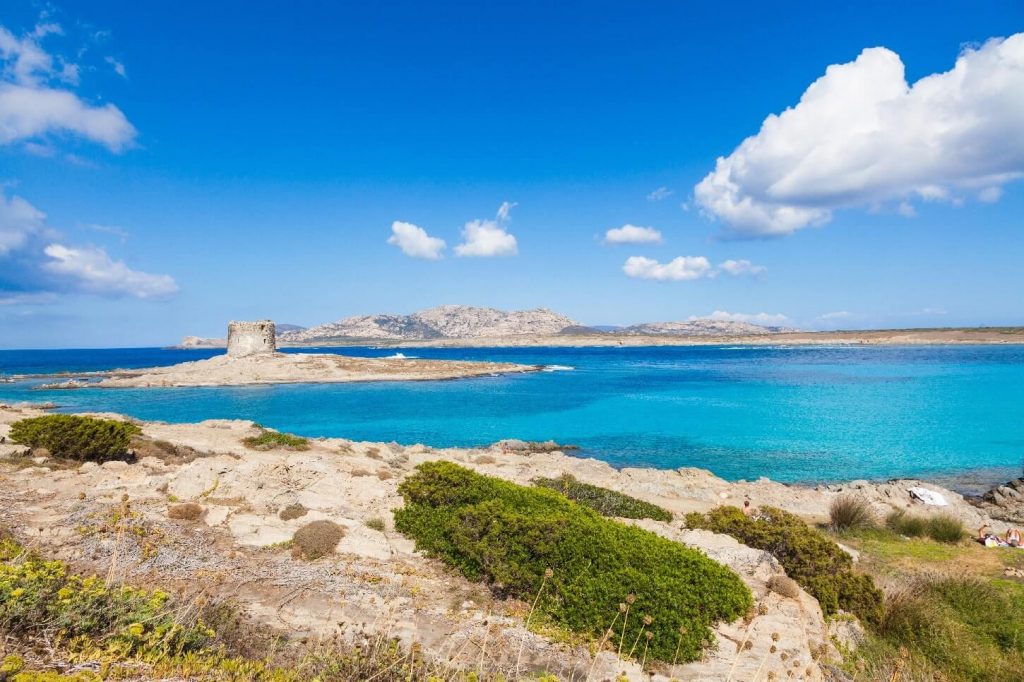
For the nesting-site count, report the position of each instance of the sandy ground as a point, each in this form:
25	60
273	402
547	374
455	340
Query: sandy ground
888	337
294	368
376	582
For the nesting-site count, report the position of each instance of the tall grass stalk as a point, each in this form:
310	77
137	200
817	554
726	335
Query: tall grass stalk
547	574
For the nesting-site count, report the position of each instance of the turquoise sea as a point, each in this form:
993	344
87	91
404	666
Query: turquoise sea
792	414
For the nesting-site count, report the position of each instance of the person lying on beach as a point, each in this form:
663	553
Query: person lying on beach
1013	537
988	538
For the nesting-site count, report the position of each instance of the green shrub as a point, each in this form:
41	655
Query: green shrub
946	528
819	565
850	513
71	437
40	598
511	535
941	528
270	440
906	524
605	502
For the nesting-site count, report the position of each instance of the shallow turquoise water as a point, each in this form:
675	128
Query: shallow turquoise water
793	414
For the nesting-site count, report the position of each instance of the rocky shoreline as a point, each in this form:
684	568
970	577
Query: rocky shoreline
376	582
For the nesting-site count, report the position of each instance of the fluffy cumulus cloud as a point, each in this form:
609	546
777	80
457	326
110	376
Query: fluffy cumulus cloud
36	264
686	268
764	319
681	268
632	234
862	136
34	104
489	238
414	241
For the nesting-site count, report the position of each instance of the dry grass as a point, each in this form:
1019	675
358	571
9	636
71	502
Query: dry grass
292	511
850	512
317	539
485	459
187	511
784	585
376	523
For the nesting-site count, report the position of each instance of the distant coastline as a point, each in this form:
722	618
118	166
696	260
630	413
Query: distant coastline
882	337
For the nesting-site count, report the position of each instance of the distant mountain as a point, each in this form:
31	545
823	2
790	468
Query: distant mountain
701	327
443	322
468	322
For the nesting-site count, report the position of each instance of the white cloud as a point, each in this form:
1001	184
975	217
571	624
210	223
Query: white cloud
30	107
659	194
678	269
414	241
862	136
741	267
837	315
488	238
117	66
765	319
632	234
91	270
35	265
18	221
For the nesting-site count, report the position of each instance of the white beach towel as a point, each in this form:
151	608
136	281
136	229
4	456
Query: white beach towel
928	496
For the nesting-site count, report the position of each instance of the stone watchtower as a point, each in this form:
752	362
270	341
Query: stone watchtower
251	338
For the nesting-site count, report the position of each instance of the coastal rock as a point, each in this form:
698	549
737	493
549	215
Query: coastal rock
1005	502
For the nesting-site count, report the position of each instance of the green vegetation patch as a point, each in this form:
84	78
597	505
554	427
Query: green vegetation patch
819	565
968	628
40	598
941	528
272	440
604	501
71	437
585	573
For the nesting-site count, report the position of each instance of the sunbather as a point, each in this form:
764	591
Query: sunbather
1013	537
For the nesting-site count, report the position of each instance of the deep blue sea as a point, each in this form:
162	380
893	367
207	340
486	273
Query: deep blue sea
792	414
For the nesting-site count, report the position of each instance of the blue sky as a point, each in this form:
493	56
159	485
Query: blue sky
169	166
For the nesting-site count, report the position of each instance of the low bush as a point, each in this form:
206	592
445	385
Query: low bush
850	512
946	528
273	440
906	524
69	436
376	523
605	502
292	511
942	528
41	598
317	539
584	572
186	511
810	558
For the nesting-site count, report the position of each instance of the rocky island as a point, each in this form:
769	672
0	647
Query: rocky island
252	358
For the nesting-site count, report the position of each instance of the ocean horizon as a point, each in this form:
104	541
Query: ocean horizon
795	414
